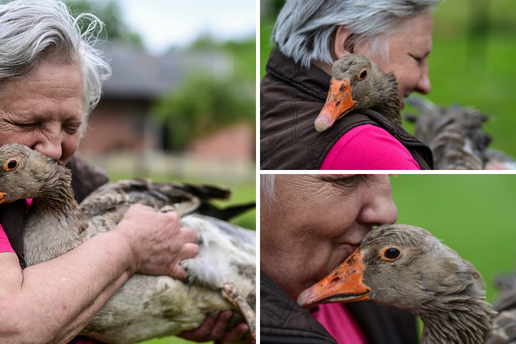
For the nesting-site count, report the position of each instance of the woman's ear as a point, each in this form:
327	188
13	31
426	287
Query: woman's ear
343	43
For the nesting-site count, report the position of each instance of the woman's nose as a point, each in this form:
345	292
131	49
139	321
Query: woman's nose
424	86
379	207
50	149
50	143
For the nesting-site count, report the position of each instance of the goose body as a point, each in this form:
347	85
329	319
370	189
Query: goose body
145	306
358	84
406	267
456	137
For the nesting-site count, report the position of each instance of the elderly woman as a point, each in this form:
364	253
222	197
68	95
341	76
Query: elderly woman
310	36
309	224
50	80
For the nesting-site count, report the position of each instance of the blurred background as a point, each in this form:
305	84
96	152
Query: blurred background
471	64
472	214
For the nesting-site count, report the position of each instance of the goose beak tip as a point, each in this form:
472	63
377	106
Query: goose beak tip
338	103
344	284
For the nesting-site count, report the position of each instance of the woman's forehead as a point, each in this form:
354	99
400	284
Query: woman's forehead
414	33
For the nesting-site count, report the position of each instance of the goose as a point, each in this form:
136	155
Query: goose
407	267
358	84
145	306
455	136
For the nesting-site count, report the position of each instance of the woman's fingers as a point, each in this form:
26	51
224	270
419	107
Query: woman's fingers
157	241
215	329
189	234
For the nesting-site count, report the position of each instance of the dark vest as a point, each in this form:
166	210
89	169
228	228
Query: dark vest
291	97
282	320
85	179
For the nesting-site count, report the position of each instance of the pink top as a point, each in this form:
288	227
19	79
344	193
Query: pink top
368	147
336	319
5	245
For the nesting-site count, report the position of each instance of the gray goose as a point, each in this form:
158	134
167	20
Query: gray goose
145	306
407	267
455	136
358	84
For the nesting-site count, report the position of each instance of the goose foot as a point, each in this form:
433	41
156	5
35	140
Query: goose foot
231	293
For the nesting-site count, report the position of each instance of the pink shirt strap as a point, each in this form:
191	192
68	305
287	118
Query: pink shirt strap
5	245
336	319
368	147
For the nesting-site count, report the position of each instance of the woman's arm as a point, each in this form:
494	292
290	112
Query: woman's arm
52	301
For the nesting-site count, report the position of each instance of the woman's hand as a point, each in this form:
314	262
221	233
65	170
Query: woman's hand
157	242
215	329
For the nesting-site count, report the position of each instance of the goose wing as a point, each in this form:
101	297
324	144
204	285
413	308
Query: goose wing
118	196
454	135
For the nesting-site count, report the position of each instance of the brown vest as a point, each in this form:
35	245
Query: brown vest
291	97
282	320
85	179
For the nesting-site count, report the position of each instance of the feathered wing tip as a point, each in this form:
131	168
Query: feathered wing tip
506	301
504	329
454	135
156	195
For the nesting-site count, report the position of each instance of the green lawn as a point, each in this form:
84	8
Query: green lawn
457	72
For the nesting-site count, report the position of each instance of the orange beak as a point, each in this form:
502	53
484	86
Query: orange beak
344	284
2	197
338	103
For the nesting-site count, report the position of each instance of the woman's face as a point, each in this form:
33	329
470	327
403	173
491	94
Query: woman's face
409	47
315	221
44	110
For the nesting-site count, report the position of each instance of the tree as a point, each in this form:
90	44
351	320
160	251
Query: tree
201	105
110	13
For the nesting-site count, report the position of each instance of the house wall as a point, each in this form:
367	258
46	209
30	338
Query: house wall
119	125
122	125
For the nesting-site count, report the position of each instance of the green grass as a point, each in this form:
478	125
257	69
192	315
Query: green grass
458	75
473	214
168	340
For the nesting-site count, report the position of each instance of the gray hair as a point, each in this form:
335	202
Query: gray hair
31	30
267	182
305	29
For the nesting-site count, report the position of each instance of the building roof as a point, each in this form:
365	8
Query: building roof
136	74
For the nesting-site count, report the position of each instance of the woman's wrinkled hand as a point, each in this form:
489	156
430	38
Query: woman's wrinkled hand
214	328
157	241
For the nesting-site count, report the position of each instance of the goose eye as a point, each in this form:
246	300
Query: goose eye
11	165
391	253
362	74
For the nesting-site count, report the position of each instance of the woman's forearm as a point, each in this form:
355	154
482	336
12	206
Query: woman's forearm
52	301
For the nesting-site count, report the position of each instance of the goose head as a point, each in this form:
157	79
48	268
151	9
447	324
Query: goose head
26	173
406	267
358	84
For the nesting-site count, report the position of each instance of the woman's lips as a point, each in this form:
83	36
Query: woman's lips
353	246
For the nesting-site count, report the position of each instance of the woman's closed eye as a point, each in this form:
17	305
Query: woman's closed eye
418	59
29	126
71	128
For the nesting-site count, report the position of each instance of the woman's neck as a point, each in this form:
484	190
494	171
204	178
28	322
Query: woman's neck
323	66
